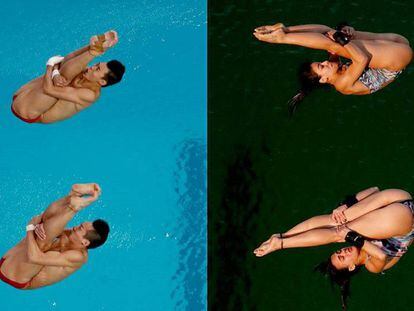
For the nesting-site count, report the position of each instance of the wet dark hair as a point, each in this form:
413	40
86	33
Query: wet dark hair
309	81
116	71
342	278
98	236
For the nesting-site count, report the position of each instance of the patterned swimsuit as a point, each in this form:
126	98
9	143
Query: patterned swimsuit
375	79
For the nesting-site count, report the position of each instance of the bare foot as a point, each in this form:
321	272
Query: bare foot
272	244
269	28
77	203
99	44
275	36
85	189
111	38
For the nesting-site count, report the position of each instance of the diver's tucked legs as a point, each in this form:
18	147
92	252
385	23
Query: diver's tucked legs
59	111
59	213
314	237
310	40
324	221
392	220
320	221
359	35
56	222
74	66
79	60
389	221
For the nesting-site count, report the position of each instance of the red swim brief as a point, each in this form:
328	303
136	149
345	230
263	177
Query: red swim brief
24	119
10	282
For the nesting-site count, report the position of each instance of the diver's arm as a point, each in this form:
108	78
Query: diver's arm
70	258
374	251
360	60
310	40
82	96
356	54
377	260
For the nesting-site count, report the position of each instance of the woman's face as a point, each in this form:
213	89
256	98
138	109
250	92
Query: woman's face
325	70
345	258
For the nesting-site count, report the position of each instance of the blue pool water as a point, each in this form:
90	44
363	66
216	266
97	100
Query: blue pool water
144	142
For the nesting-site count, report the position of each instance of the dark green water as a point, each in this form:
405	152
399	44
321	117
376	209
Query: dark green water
268	172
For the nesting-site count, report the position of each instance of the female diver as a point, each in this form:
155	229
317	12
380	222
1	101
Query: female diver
376	59
378	225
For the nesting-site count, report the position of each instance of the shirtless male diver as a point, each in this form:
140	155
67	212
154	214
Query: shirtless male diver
49	252
68	86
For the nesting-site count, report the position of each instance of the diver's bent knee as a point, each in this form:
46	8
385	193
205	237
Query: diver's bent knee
397	194
401	39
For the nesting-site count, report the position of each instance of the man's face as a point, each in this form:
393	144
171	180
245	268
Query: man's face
96	73
78	233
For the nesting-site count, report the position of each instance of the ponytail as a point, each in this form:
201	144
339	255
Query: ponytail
342	278
294	102
309	81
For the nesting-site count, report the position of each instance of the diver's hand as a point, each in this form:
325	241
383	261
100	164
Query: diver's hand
275	36
330	34
338	215
60	81
35	220
40	231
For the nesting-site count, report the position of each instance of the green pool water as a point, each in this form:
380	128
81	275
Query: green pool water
268	172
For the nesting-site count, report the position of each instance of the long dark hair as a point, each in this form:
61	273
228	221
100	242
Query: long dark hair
342	278
309	81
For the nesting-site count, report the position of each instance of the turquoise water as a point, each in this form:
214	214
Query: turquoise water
144	141
270	172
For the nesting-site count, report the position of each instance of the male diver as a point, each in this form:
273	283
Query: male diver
68	86
49	252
